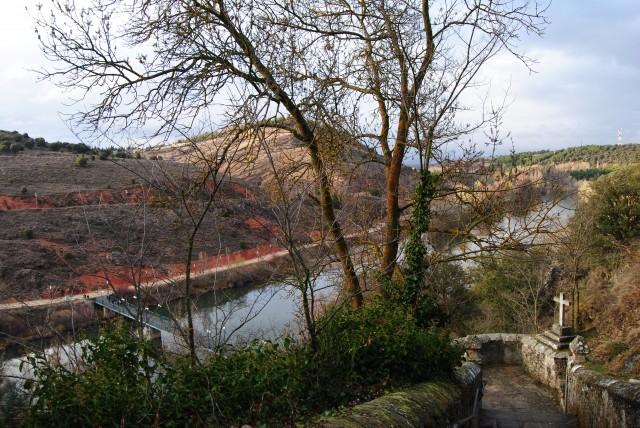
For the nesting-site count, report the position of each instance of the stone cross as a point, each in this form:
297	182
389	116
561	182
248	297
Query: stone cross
562	303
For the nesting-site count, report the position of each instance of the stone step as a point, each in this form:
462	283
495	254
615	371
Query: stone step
505	420
542	338
487	423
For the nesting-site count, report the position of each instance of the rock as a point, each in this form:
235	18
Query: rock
579	348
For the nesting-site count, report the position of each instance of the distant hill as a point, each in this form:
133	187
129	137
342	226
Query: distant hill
594	155
12	142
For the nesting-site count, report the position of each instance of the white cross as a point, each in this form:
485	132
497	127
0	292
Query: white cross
562	303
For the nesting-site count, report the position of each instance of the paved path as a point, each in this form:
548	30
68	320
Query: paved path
44	303
58	301
513	400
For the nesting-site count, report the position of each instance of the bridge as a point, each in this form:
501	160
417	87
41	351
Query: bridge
147	317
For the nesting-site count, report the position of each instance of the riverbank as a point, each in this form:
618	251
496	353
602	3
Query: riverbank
31	323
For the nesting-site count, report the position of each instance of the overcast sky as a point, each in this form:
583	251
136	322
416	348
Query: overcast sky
586	85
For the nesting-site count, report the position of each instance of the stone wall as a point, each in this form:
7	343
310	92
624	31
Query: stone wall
492	349
430	404
597	400
545	365
602	401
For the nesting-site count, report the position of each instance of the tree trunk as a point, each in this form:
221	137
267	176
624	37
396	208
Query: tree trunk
392	221
352	284
306	136
187	299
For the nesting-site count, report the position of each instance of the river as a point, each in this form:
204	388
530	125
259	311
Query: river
267	311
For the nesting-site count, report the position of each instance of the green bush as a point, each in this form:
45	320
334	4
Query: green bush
81	161
114	387
262	383
614	204
27	234
377	346
589	173
124	382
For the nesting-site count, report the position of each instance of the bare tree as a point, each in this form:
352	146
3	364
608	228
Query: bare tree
169	63
411	61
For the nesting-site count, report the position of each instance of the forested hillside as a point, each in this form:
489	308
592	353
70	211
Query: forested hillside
594	154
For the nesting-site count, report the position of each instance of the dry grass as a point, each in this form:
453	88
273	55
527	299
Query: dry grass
612	308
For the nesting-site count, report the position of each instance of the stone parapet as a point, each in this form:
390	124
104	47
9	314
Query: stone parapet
492	349
602	401
430	404
545	364
596	399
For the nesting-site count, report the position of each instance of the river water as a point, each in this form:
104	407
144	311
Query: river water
239	315
267	311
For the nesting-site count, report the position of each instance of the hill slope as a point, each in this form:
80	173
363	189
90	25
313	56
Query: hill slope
65	226
593	155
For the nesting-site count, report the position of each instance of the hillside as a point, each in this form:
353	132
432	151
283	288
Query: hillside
66	227
582	156
354	168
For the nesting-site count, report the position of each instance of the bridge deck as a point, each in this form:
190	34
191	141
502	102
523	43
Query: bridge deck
127	310
513	400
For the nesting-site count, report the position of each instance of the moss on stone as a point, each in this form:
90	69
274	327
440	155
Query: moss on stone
423	405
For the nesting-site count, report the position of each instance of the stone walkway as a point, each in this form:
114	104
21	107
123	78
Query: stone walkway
513	400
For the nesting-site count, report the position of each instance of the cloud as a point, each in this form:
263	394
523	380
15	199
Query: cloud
586	81
584	89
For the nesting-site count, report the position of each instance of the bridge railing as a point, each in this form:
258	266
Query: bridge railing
128	310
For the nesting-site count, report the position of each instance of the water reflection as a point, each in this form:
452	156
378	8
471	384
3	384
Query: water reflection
242	314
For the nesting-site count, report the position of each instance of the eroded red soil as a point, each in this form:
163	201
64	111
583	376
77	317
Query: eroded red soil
125	196
124	276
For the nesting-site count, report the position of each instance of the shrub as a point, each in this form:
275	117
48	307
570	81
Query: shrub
56	146
378	346
15	148
615	204
262	384
80	148
114	385
123	382
515	288
589	173
81	161
27	234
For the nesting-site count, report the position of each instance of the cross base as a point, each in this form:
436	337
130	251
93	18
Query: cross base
558	338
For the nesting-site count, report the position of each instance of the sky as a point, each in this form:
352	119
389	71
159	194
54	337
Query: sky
585	87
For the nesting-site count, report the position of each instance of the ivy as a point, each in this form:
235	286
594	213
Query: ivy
416	251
